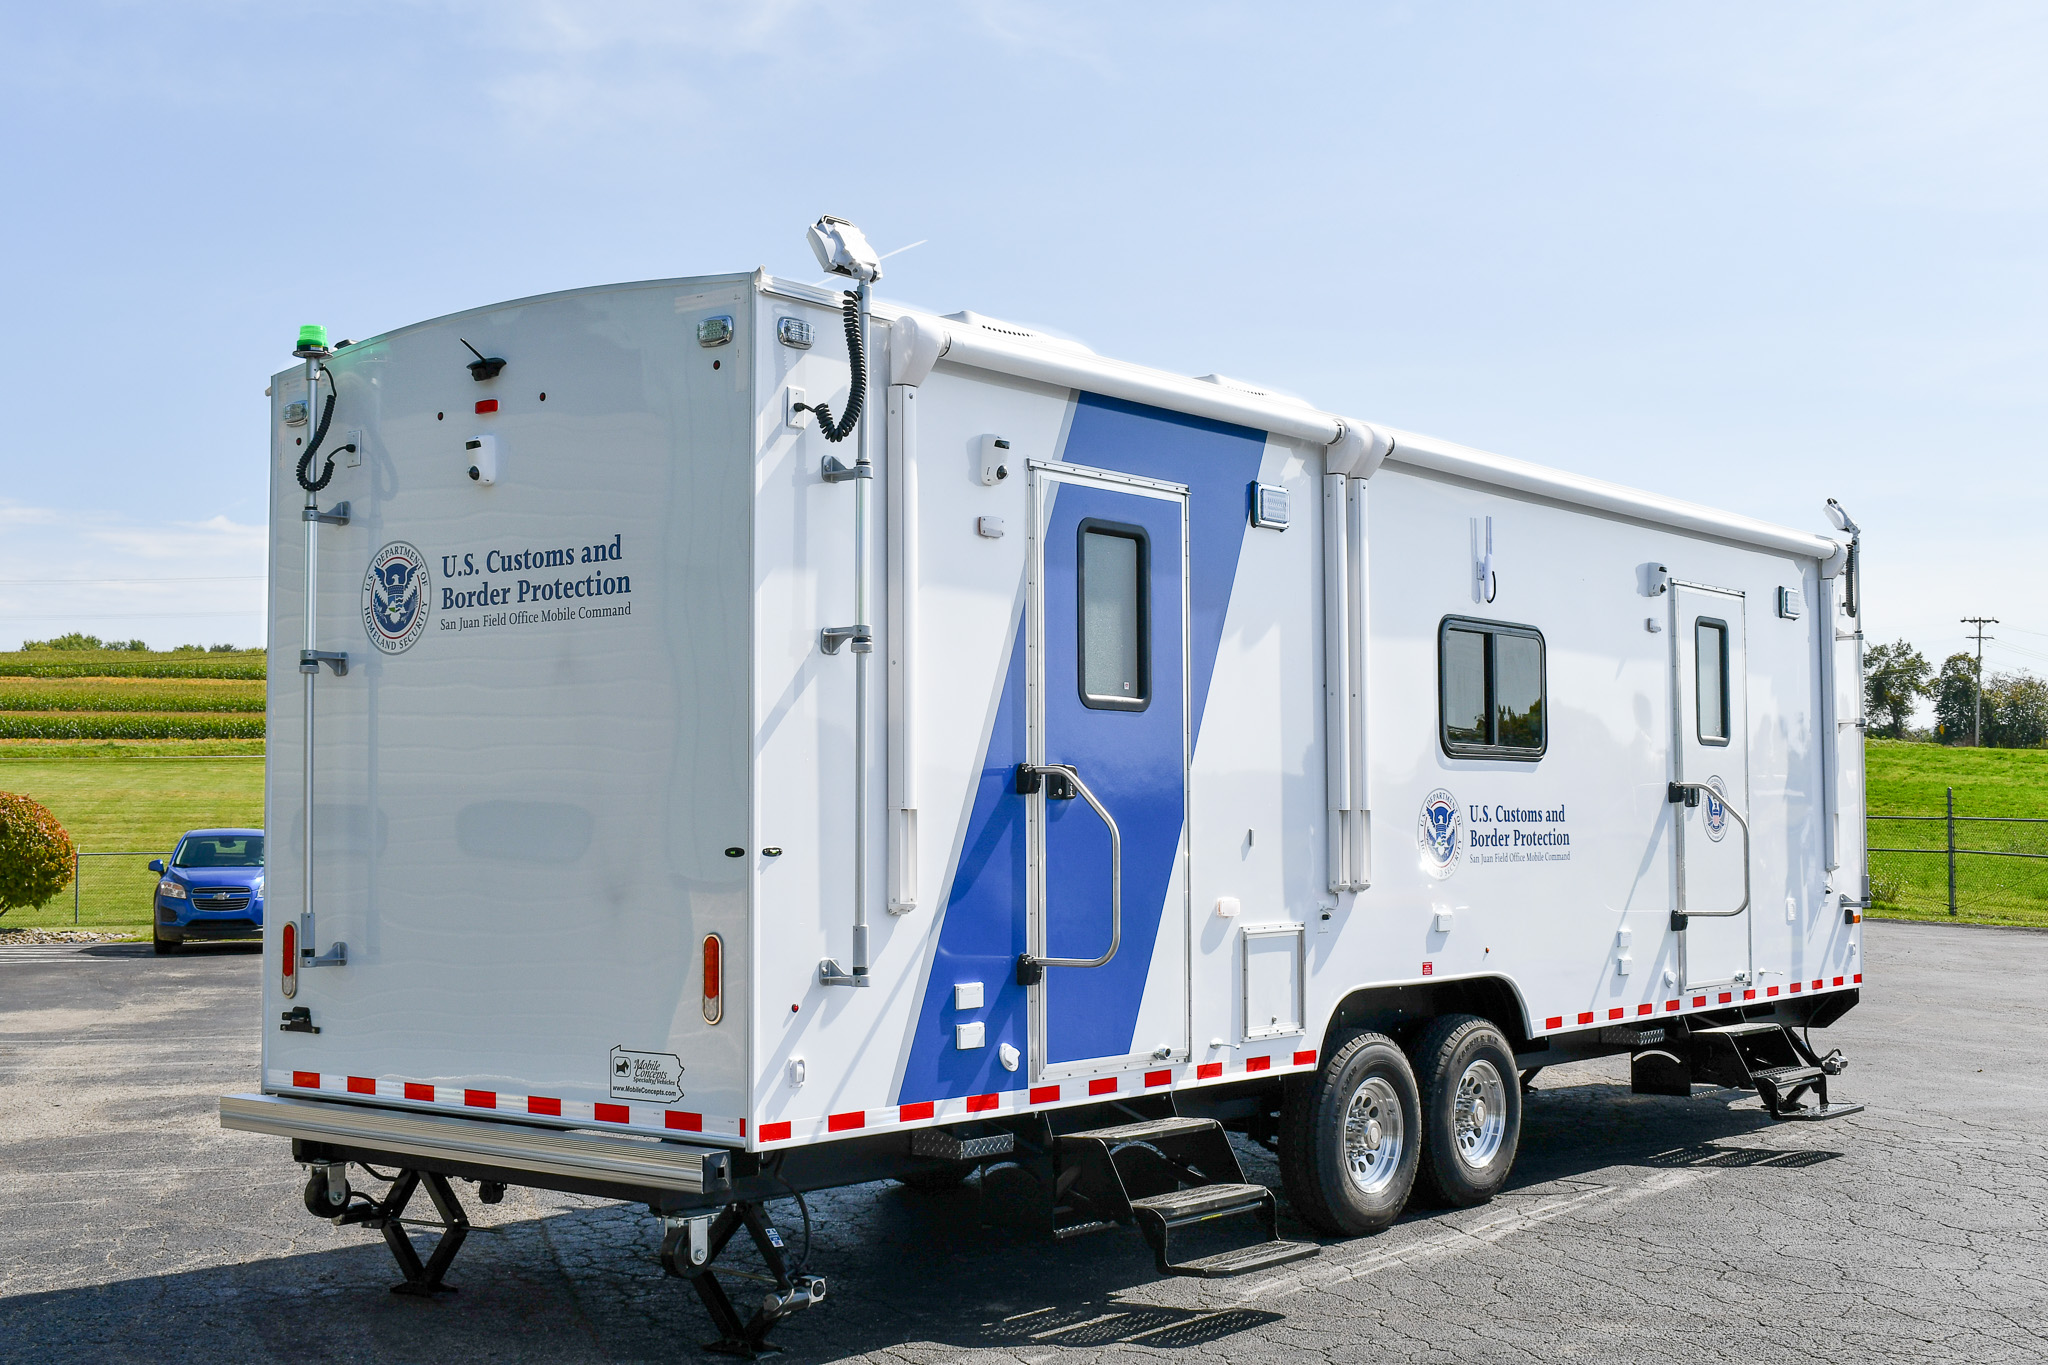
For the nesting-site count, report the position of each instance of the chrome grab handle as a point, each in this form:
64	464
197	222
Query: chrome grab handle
1031	970
1681	914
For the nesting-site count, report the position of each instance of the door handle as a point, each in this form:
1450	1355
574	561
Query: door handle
1689	793
1060	782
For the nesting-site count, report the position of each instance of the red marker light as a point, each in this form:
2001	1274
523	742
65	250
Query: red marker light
714	964
486	405
290	940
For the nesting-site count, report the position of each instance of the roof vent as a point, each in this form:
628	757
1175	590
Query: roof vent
1224	381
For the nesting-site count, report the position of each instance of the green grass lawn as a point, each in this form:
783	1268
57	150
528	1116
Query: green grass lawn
1912	779
110	800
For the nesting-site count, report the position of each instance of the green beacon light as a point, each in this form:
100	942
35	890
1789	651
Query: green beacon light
312	337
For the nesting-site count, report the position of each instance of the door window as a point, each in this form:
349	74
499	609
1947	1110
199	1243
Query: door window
1115	672
1491	689
1710	662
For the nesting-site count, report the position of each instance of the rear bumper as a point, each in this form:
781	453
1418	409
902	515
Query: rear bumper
519	1153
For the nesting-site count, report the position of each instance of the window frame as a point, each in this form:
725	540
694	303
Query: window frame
1492	749
1727	703
1142	700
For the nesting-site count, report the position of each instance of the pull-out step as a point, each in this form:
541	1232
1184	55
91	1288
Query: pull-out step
1161	1175
1769	1058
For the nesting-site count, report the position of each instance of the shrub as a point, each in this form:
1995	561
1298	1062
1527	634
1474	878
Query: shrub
1887	885
35	854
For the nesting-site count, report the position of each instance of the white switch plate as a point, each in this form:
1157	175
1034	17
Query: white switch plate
967	995
1441	922
967	1037
989	528
355	447
791	418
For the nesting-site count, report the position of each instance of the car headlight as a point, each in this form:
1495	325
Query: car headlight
174	890
259	886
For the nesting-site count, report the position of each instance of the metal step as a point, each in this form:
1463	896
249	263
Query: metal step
1821	1113
1788	1077
1201	1203
1244	1260
1151	1130
1073	1230
1744	1030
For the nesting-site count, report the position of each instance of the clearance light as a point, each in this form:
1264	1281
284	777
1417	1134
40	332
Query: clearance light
714	972
290	941
486	405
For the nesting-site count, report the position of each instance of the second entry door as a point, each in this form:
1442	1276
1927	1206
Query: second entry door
1108	679
1711	745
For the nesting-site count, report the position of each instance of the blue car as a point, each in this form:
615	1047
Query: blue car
212	888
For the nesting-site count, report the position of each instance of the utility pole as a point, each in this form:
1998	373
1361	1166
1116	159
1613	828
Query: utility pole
1977	706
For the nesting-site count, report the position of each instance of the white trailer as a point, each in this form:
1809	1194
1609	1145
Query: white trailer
1068	766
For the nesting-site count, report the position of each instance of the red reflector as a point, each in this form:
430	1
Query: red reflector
1616	1014
1859	978
1699	1002
1798	986
1749	995
1158	1078
1105	1086
1258	1063
414	1091
981	1104
361	1085
1044	1094
291	950
306	1080
1643	1009
1670	1004
910	1113
1723	998
1773	990
540	1104
1838	981
839	1123
1585	1016
486	405
1429	969
1304	1058
689	1123
714	978
1554	1021
1817	983
1208	1071
774	1132
480	1099
614	1113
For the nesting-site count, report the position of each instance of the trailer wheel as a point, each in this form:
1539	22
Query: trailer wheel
1350	1136
1471	1109
318	1201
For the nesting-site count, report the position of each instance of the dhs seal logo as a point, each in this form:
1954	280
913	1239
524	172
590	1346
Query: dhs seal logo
1716	817
395	598
1440	831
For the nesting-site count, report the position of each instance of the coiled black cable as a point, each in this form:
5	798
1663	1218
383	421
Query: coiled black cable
319	435
843	428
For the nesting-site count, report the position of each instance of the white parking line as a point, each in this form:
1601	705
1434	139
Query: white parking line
1449	1240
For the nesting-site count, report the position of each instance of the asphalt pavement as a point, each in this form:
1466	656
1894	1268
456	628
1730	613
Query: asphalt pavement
132	1227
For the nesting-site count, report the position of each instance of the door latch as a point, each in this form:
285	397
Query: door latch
1682	793
298	1020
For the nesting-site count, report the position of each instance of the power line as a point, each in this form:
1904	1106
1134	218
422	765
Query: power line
46	582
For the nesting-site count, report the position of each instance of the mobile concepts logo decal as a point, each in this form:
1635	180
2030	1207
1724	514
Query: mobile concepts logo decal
1440	831
396	598
1715	817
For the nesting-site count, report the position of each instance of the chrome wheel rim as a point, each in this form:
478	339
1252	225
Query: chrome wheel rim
1374	1135
1481	1118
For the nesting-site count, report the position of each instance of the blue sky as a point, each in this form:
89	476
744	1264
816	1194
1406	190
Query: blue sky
1753	255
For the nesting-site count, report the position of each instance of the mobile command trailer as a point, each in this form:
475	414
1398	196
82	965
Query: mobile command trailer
1204	762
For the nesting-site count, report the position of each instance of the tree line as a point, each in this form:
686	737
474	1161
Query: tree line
79	640
1897	677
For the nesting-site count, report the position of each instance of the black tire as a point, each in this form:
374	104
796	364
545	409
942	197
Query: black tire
1463	1162
164	946
317	1202
1315	1158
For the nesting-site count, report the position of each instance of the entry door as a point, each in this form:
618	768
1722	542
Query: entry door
1108	674
1711	745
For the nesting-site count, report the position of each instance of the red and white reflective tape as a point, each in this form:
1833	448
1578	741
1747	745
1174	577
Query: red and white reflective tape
460	1099
1706	1000
1053	1095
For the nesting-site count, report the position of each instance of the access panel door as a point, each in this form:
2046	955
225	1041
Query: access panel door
1108	679
1711	748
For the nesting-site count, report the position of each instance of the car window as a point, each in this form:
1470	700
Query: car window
218	851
